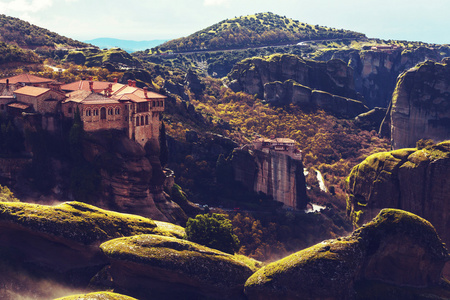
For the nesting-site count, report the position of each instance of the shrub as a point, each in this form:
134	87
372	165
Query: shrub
214	231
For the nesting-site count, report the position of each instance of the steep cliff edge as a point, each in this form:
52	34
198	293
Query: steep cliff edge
414	180
376	71
272	173
60	243
397	248
287	78
420	107
131	177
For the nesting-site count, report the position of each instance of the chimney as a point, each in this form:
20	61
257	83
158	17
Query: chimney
91	78
115	79
145	92
130	82
134	83
109	92
91	85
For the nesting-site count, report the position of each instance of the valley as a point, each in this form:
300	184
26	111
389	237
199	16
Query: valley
103	154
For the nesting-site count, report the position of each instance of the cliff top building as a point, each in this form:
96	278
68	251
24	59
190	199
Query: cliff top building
284	145
102	105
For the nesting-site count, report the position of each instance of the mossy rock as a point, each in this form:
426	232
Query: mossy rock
170	267
98	296
397	247
81	222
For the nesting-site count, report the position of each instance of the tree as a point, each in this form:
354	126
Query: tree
214	231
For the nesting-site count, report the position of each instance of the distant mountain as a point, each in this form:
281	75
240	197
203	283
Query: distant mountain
262	29
127	45
29	36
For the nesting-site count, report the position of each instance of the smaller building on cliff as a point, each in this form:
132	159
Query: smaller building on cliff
273	167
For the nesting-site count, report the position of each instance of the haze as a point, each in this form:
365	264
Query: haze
412	20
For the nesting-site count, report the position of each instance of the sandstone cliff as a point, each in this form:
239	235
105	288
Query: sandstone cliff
155	267
272	173
397	248
288	78
60	243
375	72
420	107
414	180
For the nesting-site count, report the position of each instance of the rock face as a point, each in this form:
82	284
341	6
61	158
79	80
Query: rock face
375	72
250	75
131	177
372	119
61	242
150	267
335	269
292	92
272	173
420	106
414	180
98	296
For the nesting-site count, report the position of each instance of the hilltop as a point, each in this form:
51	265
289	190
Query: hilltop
262	29
29	36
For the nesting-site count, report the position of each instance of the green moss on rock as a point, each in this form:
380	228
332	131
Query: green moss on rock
81	222
330	269
177	265
98	296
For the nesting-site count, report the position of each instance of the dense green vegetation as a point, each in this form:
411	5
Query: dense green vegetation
262	29
26	35
13	54
214	231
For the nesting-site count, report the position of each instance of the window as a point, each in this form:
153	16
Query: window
161	103
117	111
103	113
69	110
153	104
137	121
146	120
88	112
95	112
142	120
110	111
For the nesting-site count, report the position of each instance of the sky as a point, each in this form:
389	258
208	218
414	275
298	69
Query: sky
412	20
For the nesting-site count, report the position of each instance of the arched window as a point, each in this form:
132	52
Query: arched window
137	121
142	120
95	112
110	111
88	113
102	113
117	111
146	120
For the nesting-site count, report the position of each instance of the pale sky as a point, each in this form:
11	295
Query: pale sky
413	20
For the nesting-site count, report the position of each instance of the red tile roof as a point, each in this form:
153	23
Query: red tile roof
19	105
26	78
84	85
88	97
31	91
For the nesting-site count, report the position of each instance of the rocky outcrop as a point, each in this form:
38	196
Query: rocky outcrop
98	296
287	78
273	173
131	177
250	75
337	269
155	267
293	92
61	242
375	71
414	180
372	119
420	106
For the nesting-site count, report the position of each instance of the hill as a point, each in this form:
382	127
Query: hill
262	29
13	55
127	45
29	36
